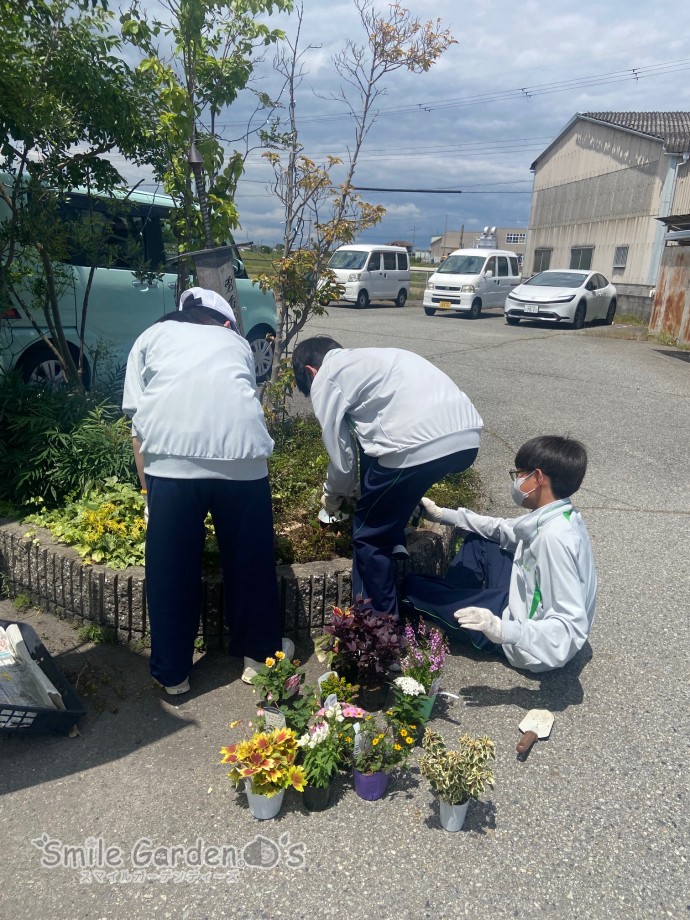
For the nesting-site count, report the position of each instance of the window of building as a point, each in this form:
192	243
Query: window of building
581	257
620	258
516	237
542	260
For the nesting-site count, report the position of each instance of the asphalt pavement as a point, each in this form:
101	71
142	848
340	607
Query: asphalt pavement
593	825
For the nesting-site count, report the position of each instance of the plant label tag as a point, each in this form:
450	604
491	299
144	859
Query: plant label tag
324	677
273	718
435	686
330	700
360	744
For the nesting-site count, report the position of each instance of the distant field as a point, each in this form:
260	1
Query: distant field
258	263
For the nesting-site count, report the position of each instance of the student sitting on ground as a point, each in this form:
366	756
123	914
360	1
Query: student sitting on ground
522	587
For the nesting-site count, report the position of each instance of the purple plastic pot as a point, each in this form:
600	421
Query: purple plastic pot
370	786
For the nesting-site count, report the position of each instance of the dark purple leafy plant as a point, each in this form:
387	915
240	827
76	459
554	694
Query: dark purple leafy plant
362	644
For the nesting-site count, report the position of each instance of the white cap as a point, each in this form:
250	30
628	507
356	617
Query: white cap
208	299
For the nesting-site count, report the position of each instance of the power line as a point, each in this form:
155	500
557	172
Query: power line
524	92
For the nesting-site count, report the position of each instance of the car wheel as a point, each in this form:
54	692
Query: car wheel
39	365
262	350
324	303
611	312
512	320
476	308
401	299
429	311
362	300
580	314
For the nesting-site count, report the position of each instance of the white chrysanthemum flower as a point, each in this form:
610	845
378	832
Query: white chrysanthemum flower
409	686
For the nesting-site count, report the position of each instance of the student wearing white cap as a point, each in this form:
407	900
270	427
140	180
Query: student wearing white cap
201	445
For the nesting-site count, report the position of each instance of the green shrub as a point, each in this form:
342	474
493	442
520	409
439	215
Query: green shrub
77	457
106	525
57	443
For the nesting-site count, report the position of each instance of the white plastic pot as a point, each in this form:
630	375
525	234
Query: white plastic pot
453	816
263	806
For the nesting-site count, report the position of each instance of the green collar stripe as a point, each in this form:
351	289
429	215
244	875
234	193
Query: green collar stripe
536	600
566	514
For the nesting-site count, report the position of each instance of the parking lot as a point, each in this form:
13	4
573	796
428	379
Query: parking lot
593	825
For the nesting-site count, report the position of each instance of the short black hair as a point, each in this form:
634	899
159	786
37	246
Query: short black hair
563	460
310	352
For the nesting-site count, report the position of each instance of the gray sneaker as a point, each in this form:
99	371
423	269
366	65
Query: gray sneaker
178	689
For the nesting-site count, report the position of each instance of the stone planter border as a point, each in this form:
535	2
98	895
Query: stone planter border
56	580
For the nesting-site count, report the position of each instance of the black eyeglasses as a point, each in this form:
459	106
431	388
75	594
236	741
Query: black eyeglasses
515	473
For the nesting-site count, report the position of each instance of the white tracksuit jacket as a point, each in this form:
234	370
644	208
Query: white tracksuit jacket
399	407
553	584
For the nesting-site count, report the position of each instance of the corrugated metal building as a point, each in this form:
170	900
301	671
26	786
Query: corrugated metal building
599	188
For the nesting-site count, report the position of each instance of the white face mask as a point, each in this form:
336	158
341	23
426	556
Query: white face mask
518	495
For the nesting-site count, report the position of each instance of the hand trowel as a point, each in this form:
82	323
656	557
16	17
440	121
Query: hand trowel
536	724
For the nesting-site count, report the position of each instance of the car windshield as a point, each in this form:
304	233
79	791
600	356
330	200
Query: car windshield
461	265
558	279
348	258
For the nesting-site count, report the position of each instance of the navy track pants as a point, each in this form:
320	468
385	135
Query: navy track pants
479	576
388	498
243	519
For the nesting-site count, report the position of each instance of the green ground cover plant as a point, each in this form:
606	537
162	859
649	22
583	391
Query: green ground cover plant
66	465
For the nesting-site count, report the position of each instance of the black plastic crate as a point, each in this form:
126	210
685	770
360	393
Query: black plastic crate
37	720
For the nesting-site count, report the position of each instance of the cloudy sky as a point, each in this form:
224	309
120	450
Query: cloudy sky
478	119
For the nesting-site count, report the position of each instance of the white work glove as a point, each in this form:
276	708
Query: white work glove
331	503
431	511
482	620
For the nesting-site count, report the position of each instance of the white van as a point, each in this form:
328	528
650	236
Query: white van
469	279
369	273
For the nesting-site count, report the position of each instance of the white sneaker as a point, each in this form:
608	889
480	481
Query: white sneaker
178	689
252	667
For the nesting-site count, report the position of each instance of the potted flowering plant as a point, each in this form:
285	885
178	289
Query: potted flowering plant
266	765
343	717
425	655
456	776
279	678
409	704
362	645
378	750
320	746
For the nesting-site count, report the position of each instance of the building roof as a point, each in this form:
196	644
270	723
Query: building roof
671	128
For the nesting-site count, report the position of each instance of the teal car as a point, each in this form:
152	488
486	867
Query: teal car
124	300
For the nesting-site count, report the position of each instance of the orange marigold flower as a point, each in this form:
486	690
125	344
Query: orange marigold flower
270	662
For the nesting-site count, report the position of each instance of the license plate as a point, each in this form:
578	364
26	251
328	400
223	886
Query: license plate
531	308
444	305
